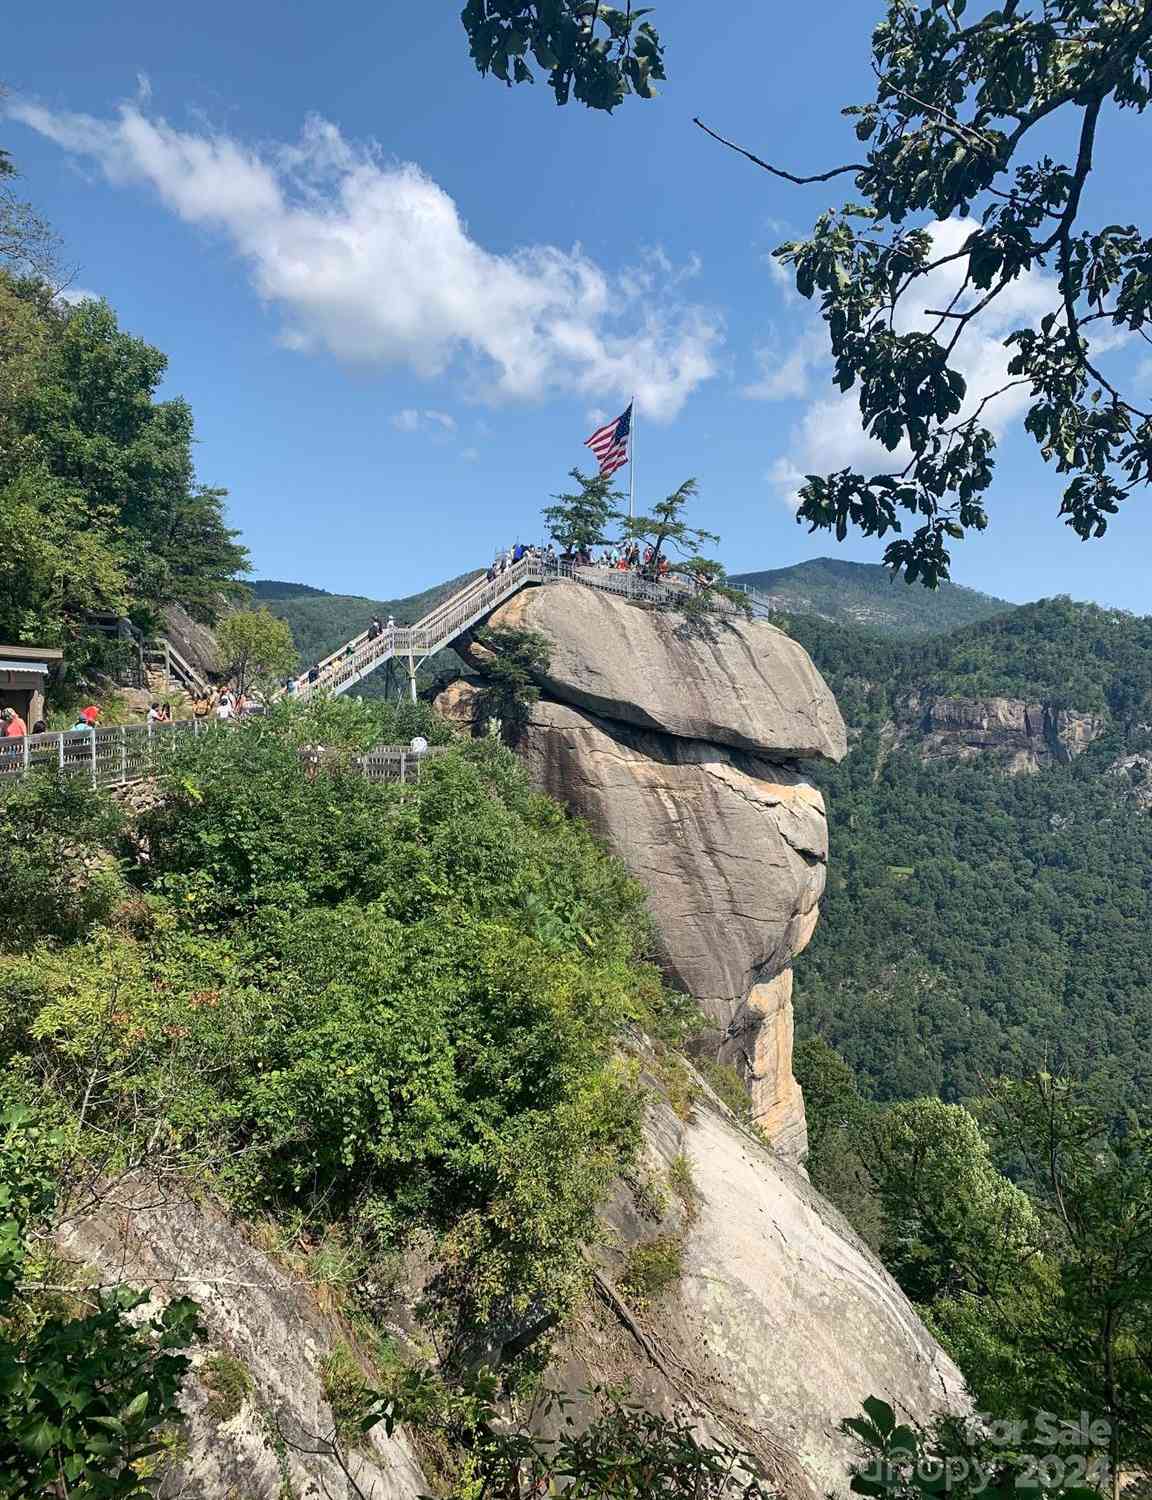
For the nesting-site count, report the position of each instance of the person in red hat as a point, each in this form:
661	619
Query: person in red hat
90	714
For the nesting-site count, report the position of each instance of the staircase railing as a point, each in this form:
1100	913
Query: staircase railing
176	669
363	654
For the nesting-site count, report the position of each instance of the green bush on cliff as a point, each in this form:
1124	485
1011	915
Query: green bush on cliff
394	1008
53	882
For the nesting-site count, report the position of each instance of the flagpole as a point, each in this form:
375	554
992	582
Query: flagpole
632	482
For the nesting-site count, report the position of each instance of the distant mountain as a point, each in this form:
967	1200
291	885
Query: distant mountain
859	595
272	588
865	594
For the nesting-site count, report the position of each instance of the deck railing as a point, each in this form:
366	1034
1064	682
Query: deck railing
111	756
120	754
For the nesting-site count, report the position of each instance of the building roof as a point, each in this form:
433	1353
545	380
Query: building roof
23	666
31	653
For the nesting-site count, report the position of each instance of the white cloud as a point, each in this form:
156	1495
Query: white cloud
370	260
828	435
786	373
411	420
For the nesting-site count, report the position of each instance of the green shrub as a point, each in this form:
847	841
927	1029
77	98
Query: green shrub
519	658
653	1267
57	878
346	1392
726	1082
683	1183
351	723
650	1201
377	1010
678	1084
228	1384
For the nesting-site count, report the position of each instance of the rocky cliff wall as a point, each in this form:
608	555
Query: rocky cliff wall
778	1323
781	1321
1018	736
684	752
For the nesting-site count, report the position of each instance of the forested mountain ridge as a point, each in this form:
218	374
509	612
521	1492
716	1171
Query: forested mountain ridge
979	922
321	621
1072	655
859	595
865	595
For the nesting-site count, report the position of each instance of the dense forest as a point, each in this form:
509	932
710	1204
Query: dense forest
1056	651
100	508
978	922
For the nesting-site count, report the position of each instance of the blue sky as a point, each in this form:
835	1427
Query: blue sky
399	296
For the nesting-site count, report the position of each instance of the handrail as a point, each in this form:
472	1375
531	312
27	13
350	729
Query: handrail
111	756
120	754
186	674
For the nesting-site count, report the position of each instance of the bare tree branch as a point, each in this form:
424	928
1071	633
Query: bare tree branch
853	166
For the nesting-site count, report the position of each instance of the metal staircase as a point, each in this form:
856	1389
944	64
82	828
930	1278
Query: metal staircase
414	644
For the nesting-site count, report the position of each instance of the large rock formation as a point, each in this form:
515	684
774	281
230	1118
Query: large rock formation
743	683
1018	736
681	749
781	1321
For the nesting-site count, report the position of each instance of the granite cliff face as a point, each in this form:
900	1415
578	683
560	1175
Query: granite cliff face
683	751
779	1325
781	1322
269	1324
1018	736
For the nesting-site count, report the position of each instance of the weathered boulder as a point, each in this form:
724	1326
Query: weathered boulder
781	1321
744	683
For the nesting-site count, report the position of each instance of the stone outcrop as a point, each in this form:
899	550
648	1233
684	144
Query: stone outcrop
269	1324
781	1321
1019	736
683	752
746	684
1133	776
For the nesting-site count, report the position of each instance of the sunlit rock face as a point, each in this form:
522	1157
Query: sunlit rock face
683	751
780	1322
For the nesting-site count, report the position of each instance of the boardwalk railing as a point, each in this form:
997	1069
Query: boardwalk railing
121	754
109	757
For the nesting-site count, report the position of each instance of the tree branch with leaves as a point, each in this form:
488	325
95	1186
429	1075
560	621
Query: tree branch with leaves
597	53
949	134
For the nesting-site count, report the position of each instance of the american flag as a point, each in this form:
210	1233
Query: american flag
610	444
